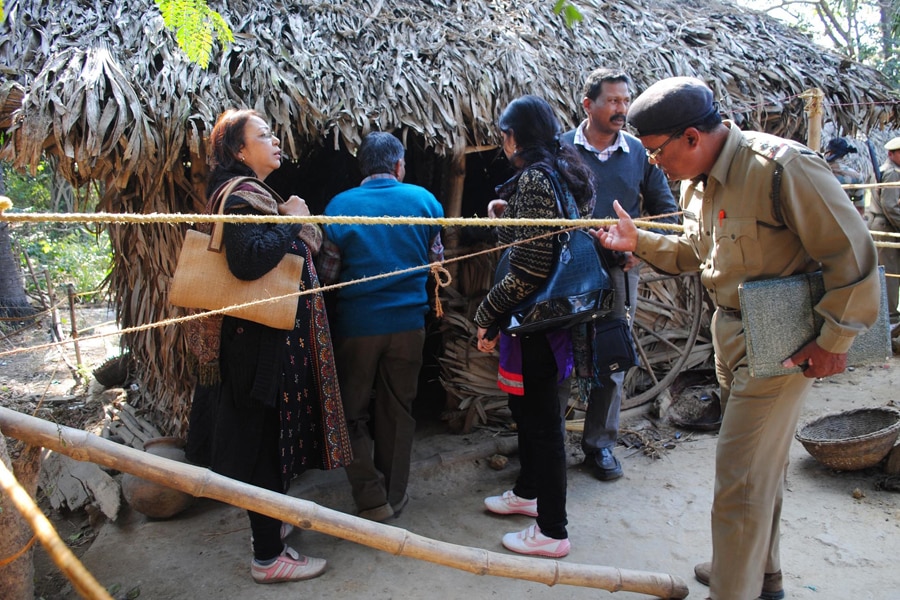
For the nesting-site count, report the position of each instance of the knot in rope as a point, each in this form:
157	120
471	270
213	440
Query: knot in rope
442	278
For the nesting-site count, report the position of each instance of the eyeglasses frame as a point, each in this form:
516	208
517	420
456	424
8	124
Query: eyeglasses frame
653	155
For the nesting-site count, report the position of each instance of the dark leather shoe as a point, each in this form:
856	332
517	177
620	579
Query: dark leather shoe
398	508
604	464
773	587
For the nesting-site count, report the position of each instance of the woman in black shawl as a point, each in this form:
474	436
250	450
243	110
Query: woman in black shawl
278	410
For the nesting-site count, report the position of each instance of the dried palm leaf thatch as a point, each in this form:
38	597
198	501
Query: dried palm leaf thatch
84	103
475	274
468	376
11	95
111	97
144	259
98	83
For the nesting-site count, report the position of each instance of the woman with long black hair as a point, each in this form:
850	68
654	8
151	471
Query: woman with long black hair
532	366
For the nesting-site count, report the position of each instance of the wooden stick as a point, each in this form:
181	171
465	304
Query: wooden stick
201	482
84	582
814	114
70	292
37	286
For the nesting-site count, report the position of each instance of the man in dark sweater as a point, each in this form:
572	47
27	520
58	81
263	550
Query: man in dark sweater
621	172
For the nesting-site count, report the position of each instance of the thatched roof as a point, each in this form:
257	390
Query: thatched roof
102	87
107	88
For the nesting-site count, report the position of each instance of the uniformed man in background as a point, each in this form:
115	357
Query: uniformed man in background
884	215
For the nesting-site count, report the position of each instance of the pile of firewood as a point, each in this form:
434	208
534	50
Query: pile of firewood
123	423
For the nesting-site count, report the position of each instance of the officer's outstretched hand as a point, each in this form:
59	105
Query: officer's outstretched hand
622	236
816	362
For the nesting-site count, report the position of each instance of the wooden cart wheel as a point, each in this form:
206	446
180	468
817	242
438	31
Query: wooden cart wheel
670	315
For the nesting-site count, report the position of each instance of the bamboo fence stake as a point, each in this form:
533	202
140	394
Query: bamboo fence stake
201	482
814	113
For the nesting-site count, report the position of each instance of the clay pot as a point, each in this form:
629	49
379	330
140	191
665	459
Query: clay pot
153	499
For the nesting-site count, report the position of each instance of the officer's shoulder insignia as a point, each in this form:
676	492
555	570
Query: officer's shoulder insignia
775	148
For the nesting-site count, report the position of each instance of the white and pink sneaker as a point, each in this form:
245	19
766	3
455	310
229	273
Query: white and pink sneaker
510	504
290	565
532	541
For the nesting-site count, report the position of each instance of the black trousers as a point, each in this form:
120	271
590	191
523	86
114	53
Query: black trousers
266	531
542	452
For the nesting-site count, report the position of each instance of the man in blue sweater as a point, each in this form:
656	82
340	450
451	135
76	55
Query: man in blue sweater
621	172
379	325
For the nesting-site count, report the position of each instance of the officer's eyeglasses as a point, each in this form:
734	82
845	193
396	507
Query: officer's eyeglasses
653	155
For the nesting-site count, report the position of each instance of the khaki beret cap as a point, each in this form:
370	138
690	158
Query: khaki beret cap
893	144
671	105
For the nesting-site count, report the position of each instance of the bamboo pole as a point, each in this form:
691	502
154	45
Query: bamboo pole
84	582
453	206
201	482
814	113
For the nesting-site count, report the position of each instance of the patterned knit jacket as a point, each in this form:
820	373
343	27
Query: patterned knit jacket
530	196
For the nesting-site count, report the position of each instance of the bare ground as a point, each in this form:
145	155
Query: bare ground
841	530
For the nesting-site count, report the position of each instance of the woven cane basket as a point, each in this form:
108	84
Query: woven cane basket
851	440
114	372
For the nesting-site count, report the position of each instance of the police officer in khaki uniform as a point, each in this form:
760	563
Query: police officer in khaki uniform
755	207
884	215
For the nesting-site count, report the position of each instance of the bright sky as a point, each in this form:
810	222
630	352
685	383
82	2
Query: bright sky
866	14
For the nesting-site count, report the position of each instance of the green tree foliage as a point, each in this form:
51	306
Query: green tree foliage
569	12
70	255
889	26
864	30
27	192
867	31
69	252
196	27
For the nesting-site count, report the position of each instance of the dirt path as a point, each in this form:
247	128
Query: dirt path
841	535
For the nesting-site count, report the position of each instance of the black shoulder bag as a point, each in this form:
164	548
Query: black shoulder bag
577	290
613	346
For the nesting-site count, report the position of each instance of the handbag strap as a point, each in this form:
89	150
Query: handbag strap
218	199
571	208
627	296
565	202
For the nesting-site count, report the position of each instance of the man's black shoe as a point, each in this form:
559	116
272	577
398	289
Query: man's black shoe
604	464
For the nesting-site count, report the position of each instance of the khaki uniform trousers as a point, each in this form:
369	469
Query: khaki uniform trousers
760	418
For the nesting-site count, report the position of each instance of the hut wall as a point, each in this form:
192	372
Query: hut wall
110	96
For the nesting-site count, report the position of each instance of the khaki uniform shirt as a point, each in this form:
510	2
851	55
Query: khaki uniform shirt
887	200
732	232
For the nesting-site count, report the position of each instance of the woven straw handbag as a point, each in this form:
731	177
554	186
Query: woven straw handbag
203	280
